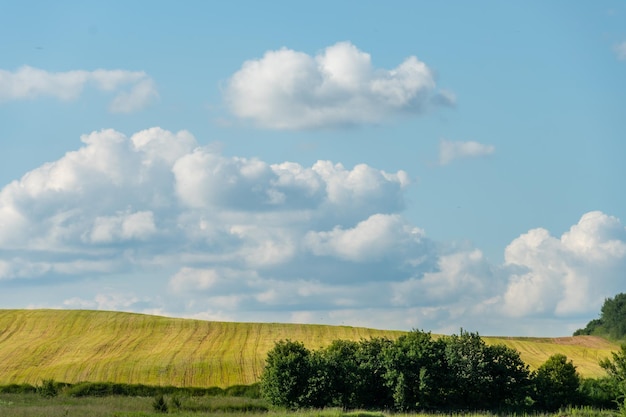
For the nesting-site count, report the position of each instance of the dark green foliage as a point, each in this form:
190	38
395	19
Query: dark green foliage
413	373
285	380
342	370
468	371
614	316
510	382
415	367
594	327
484	377
616	368
319	387
248	391
18	389
556	383
48	388
599	392
159	404
612	321
105	389
371	389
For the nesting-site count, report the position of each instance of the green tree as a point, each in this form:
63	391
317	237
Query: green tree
318	393
616	370
414	371
614	316
556	383
371	392
285	378
509	378
342	366
482	376
469	379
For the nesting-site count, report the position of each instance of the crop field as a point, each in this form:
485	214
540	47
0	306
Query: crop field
74	346
78	345
584	351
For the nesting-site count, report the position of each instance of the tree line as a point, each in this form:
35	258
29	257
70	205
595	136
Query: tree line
612	320
418	372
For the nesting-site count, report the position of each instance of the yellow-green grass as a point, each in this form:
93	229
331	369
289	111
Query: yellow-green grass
584	351
78	345
73	346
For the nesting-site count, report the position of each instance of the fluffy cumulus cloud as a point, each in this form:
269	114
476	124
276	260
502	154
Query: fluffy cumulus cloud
133	90
451	150
569	275
287	89
152	222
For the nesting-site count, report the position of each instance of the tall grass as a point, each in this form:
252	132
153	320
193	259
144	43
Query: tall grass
34	405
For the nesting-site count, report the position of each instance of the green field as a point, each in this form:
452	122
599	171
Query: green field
73	346
33	405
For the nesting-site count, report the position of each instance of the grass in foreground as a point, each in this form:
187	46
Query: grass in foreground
34	405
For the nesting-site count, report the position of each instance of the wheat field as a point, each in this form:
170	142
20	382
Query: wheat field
80	345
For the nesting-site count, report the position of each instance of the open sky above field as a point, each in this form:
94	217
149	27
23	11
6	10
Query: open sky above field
397	165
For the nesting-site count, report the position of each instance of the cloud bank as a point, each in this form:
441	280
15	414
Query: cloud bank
287	89
133	90
154	223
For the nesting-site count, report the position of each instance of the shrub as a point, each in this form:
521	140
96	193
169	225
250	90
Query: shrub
48	388
159	405
249	391
18	389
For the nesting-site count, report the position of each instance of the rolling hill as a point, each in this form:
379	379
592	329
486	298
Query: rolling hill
80	345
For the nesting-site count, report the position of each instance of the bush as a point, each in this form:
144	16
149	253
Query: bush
599	393
48	388
159	405
248	391
18	389
285	380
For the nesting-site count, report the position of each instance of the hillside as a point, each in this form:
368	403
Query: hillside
73	346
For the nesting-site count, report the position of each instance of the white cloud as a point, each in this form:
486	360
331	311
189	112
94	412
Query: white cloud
200	234
451	150
460	275
287	89
139	96
123	226
134	89
570	275
620	51
376	237
194	279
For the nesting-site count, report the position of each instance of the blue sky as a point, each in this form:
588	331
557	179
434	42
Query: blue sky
430	165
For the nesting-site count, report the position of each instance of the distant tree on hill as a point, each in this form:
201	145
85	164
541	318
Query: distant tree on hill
612	321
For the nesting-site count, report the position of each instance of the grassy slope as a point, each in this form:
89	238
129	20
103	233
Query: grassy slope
73	346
